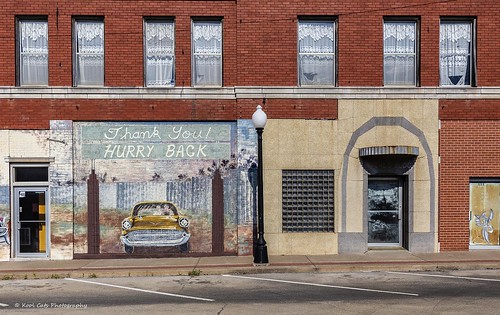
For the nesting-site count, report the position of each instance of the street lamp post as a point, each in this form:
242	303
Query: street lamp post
259	119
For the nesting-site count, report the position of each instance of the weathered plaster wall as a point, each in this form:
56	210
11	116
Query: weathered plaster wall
25	146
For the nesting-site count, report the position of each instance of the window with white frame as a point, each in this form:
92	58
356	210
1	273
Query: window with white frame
455	53
207	53
400	53
159	53
33	52
89	53
316	52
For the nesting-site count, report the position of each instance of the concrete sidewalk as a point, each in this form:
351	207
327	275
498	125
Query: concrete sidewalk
370	261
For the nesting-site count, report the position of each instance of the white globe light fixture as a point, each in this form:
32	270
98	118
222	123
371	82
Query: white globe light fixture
259	118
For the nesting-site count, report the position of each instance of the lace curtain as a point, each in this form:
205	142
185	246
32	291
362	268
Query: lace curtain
207	50
34	53
455	53
159	54
316	53
90	53
399	53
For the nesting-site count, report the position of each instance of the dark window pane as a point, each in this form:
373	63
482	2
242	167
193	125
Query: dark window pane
31	174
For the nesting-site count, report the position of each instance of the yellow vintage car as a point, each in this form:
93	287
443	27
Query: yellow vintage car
155	223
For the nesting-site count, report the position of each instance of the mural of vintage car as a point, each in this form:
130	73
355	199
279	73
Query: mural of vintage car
155	223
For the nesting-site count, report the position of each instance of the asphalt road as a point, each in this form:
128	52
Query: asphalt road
447	292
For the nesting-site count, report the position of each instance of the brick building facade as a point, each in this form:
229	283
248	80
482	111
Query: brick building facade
382	131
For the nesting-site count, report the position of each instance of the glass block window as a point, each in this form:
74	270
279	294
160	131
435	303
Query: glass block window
308	200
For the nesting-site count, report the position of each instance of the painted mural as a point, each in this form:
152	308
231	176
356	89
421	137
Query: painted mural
5	233
4	221
485	212
160	163
4	230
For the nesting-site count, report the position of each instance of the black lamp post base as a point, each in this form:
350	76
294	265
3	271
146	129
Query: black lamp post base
260	255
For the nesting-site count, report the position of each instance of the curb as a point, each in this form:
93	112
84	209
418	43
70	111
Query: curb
217	269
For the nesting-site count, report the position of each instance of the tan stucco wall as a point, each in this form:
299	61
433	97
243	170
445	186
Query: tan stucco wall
316	144
295	144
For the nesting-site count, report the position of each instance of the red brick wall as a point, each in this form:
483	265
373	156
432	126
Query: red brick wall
260	37
36	113
123	36
469	145
290	108
486	109
267	38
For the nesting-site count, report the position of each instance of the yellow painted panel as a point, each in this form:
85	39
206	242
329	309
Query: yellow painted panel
42	242
41	203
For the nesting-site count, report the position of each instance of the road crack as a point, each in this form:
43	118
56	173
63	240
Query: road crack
222	309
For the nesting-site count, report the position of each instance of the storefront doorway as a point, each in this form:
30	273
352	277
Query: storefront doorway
30	212
385	211
30	224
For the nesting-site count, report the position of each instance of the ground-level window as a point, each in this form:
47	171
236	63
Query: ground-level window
484	212
308	200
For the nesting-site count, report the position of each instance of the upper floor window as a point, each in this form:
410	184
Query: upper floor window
455	53
159	53
316	53
88	52
207	53
33	52
400	53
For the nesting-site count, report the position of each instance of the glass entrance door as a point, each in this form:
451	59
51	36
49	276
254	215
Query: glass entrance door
30	228
384	211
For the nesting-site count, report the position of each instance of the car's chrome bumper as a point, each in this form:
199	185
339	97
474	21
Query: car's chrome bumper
155	238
